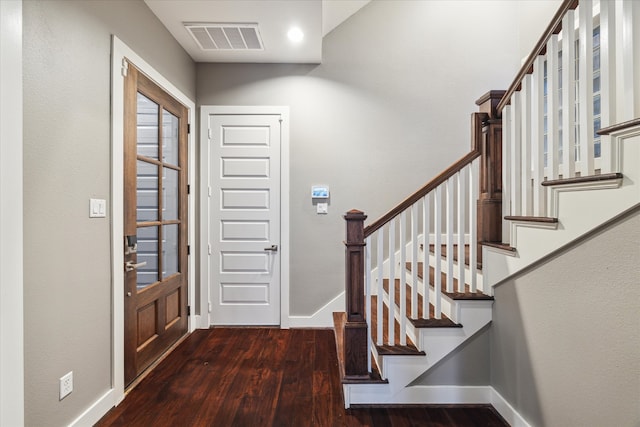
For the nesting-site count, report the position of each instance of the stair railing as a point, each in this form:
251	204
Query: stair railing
441	217
578	79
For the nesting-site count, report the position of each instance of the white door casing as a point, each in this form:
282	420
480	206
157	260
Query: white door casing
244	152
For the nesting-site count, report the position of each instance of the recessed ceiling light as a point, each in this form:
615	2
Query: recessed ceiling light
295	34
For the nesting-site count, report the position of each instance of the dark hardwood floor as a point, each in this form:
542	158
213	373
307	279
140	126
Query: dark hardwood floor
265	377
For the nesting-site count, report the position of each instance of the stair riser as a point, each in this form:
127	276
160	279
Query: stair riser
436	342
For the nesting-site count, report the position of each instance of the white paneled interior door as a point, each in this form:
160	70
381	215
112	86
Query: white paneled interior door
244	207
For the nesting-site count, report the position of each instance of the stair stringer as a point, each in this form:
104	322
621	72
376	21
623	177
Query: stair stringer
579	210
401	371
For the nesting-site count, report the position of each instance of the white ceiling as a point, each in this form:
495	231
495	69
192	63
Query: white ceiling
316	18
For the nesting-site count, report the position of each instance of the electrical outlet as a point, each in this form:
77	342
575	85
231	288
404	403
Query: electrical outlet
66	385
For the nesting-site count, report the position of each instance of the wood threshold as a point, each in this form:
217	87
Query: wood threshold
584	179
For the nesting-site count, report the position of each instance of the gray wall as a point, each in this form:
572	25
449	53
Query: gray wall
385	112
468	365
565	341
67	271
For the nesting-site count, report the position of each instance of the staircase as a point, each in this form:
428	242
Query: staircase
419	280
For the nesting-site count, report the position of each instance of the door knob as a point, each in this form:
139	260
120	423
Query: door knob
130	265
273	248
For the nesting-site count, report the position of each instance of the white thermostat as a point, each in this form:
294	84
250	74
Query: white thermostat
319	192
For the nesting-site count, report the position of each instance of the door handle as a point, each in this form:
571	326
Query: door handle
130	265
272	248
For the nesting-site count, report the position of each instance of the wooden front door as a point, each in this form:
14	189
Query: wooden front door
155	222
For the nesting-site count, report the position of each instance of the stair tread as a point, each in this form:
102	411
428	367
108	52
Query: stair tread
339	320
466	295
503	246
420	321
398	350
545	219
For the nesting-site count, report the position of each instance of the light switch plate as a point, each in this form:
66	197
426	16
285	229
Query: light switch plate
97	208
322	208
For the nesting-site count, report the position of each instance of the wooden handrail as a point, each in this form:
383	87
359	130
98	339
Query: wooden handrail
540	49
406	203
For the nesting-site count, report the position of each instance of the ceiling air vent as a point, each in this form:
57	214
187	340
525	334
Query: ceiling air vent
225	36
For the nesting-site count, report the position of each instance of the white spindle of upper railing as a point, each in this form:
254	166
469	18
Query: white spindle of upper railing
607	79
414	260
585	86
426	233
525	141
403	280
507	172
537	136
474	188
380	298
392	282
553	109
461	208
368	292
437	252
449	236
515	163
568	95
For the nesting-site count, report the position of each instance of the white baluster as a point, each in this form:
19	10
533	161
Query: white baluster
507	144
607	80
462	194
367	284
516	153
585	84
426	233
437	249
627	86
526	197
473	225
568	95
392	281
553	108
380	307
537	136
450	238
403	278
414	261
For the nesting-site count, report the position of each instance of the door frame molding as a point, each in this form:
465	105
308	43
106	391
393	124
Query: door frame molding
11	216
119	53
205	225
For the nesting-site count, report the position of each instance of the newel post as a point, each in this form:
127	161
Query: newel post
489	142
355	329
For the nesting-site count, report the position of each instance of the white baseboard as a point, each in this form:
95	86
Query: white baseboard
506	410
322	318
434	395
96	411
